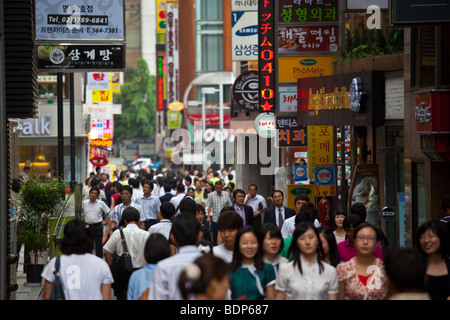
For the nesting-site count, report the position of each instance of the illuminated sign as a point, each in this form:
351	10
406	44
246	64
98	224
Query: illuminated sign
266	55
295	68
160	74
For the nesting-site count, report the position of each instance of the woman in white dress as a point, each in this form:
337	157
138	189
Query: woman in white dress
306	276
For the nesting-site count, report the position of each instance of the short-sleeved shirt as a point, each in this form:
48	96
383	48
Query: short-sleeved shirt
355	289
257	203
222	252
93	211
163	227
150	205
217	202
308	285
252	283
135	238
82	275
116	213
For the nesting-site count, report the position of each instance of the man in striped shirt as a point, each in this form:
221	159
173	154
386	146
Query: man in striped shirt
185	235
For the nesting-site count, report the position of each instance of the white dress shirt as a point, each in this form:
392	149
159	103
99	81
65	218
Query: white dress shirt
135	238
93	211
308	285
162	227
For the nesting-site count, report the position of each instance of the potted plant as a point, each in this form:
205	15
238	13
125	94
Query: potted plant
37	202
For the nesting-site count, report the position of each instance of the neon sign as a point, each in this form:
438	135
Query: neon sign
266	55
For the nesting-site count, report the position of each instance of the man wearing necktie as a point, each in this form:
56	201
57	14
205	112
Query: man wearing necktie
246	212
278	213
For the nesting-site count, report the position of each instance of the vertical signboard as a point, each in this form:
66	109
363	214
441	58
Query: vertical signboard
172	51
320	147
267	57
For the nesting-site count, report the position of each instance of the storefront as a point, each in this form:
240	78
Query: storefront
38	142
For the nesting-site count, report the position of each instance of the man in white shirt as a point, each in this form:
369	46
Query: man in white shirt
150	204
228	225
185	235
115	216
302	206
137	192
135	239
257	202
166	213
94	213
178	197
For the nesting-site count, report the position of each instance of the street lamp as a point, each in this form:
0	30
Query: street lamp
212	90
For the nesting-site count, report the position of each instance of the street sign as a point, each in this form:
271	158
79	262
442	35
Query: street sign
325	182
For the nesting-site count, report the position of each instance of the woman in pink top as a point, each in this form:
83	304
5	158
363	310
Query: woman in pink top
347	248
363	277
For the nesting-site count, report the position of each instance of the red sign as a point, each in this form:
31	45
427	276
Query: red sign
308	39
211	120
266	55
99	161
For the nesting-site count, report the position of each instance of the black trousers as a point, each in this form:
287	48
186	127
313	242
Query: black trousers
96	231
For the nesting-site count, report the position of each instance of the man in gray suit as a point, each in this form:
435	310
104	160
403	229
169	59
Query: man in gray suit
278	213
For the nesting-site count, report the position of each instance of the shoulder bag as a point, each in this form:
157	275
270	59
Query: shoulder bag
121	266
57	287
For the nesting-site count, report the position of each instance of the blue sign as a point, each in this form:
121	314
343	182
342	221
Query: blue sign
300	174
324	176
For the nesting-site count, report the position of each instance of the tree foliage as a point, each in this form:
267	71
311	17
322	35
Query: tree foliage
138	106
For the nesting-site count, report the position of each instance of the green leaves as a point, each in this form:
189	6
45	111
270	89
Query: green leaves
138	105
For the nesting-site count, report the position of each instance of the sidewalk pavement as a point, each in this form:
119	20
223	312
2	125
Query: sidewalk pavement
26	291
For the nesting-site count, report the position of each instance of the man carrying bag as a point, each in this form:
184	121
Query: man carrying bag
124	255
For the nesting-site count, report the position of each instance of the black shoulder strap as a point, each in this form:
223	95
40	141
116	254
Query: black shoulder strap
124	243
57	263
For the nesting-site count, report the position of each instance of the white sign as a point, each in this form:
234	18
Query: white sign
265	125
102	109
364	4
98	80
244	5
37	127
288	99
79	20
244	35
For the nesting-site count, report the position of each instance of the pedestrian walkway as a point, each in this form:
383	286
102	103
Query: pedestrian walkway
26	291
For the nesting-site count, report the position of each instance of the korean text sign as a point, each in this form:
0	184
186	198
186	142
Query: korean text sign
80	20
320	147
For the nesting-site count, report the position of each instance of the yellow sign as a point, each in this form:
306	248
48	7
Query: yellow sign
161	9
175	106
173	120
320	147
294	190
101	96
293	68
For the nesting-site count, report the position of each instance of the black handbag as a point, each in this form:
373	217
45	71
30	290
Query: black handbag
57	287
122	265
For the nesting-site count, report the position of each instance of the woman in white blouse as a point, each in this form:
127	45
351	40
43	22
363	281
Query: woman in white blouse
306	277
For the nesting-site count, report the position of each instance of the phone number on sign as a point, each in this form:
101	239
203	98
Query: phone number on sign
77	20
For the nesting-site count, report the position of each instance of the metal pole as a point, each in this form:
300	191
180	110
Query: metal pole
222	164
72	132
59	86
203	127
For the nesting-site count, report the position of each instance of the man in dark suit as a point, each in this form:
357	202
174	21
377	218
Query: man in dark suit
246	212
168	195
278	213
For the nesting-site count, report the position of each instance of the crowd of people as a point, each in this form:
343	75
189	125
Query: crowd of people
195	235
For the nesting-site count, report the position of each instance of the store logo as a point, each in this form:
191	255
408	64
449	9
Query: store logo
38	126
308	62
57	56
247	31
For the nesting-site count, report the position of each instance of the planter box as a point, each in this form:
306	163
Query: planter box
390	62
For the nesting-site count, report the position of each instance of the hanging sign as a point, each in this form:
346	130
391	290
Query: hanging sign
266	55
